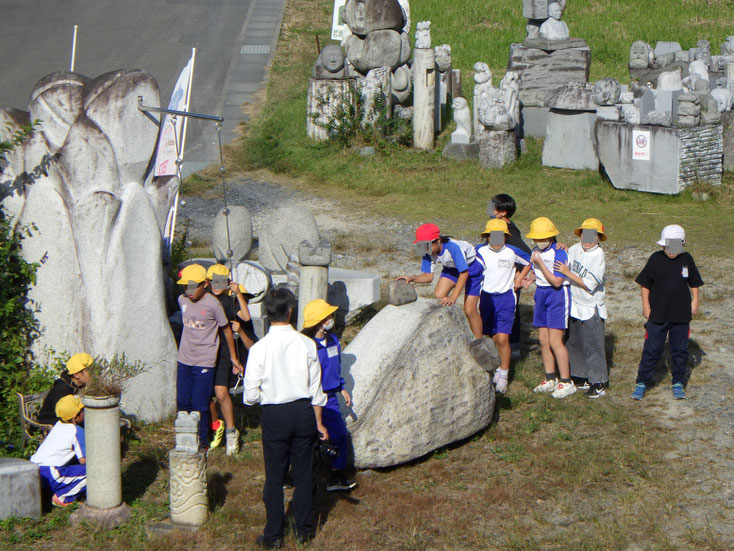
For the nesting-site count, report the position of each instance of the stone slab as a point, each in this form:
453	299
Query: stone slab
727	122
461	151
20	486
553	45
541	71
533	121
569	140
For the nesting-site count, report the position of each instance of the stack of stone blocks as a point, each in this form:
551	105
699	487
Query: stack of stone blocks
187	469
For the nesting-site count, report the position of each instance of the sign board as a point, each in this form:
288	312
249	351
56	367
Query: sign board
338	26
641	145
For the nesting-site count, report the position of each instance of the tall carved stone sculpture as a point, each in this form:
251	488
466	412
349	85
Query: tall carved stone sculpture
187	466
443	85
424	88
482	87
99	216
329	90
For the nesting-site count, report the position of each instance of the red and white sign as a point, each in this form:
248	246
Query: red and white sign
641	145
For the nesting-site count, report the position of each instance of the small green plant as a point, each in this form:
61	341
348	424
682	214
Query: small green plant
110	377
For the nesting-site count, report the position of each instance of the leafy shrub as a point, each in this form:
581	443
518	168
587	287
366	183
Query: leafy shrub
109	377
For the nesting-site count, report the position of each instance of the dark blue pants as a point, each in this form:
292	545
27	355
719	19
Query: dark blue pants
65	482
193	392
331	417
655	334
288	434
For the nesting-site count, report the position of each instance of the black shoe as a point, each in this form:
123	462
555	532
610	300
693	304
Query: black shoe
263	543
596	390
340	484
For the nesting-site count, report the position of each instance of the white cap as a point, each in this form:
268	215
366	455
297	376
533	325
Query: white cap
674	231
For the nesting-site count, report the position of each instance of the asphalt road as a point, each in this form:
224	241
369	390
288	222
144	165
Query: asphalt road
153	35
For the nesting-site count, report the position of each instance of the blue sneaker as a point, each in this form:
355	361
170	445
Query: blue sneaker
678	392
639	392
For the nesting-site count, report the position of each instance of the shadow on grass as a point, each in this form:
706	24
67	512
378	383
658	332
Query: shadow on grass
217	486
139	475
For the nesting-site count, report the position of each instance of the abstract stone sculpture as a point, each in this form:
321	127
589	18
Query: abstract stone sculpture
424	351
283	233
254	278
314	259
239	222
100	286
365	16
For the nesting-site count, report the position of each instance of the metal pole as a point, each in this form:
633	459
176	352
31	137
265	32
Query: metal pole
73	48
188	99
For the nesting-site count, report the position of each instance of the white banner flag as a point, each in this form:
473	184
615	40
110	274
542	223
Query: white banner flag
165	161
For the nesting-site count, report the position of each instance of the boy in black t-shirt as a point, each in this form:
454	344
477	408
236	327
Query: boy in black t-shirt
667	304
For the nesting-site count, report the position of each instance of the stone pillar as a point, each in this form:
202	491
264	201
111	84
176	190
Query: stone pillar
20	486
325	96
187	470
497	148
424	92
314	280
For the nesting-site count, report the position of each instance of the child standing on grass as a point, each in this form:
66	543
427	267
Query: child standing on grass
497	299
669	285
202	315
230	296
586	271
61	457
460	271
552	305
318	321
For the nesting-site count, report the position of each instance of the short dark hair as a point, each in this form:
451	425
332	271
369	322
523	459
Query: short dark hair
279	302
504	203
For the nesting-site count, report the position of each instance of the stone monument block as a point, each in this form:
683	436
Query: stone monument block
497	148
188	487
240	234
569	140
424	353
187	431
400	292
287	227
326	97
20	486
608	112
461	151
727	123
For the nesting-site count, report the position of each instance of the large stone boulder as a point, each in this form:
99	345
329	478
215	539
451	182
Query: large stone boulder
240	234
100	283
287	227
364	16
419	390
384	48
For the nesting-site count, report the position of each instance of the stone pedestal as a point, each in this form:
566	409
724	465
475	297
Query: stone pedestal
424	98
314	280
461	151
188	489
727	122
497	148
102	438
569	140
325	98
20	486
678	157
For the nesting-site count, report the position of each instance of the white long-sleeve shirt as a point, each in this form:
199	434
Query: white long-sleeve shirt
590	266
283	367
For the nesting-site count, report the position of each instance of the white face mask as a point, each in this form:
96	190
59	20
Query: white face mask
328	325
543	245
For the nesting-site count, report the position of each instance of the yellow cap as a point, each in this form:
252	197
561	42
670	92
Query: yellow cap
67	407
78	362
592	224
495	224
217	269
193	273
541	228
316	311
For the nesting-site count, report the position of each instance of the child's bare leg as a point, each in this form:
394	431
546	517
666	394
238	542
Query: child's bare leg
225	404
555	337
549	362
502	342
213	413
472	314
443	287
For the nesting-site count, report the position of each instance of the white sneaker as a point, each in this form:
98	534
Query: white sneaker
564	389
500	381
233	442
546	387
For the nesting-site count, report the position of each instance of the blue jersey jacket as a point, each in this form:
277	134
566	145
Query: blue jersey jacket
331	365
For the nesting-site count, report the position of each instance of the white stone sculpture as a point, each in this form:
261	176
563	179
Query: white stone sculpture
424	98
462	117
313	282
553	28
699	67
234	228
423	34
723	97
482	86
401	84
727	47
510	93
641	55
282	235
188	487
670	81
99	218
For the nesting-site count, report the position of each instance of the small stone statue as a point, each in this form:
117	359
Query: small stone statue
510	93
698	66
630	114
727	47
553	28
606	91
641	55
722	95
670	80
443	57
462	117
493	114
423	34
688	110
703	53
401	84
330	63
482	74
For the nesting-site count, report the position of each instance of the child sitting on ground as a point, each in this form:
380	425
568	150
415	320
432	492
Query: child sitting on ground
667	304
586	271
61	457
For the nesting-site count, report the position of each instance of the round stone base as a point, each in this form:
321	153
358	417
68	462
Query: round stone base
107	518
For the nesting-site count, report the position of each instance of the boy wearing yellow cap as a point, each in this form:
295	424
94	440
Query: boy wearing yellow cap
69	382
202	315
586	270
61	457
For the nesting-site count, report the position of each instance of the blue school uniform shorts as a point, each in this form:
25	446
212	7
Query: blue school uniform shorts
473	284
552	306
497	312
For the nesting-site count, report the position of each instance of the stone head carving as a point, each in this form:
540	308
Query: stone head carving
423	34
555	10
330	63
641	56
607	91
630	114
443	57
703	52
701	87
482	73
727	47
494	115
510	79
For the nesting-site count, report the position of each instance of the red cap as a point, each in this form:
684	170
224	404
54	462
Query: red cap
427	232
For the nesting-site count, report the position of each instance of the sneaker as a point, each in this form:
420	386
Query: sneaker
218	434
581	384
546	387
678	392
340	484
595	391
233	442
564	389
56	502
639	391
500	381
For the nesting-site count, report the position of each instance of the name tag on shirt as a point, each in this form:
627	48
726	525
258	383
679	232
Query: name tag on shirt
332	351
684	272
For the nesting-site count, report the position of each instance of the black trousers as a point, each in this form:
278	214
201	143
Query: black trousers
655	334
289	433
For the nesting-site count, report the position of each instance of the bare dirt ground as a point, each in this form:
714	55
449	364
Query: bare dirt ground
700	429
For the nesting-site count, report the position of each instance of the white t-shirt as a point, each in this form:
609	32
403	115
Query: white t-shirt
549	257
499	267
63	443
590	266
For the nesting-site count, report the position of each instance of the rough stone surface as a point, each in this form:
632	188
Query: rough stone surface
20	486
541	43
352	291
98	223
727	122
240	234
541	71
569	140
425	355
664	47
104	518
187	431
102	438
679	157
607	91
313	284
497	148
378	49
363	17
424	98
188	488
282	236
254	278
314	254
485	354
576	96
400	292
533	121
461	151
324	98
608	112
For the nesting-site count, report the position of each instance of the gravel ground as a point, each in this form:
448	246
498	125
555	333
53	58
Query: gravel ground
701	427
